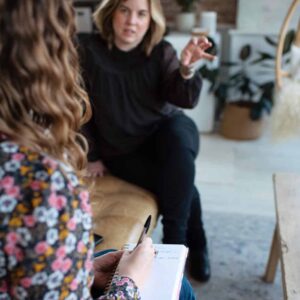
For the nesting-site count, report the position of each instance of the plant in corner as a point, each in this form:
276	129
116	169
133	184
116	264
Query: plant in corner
186	5
246	94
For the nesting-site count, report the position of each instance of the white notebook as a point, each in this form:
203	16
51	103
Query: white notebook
164	282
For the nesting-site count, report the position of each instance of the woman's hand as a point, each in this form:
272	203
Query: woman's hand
137	264
195	50
104	266
95	168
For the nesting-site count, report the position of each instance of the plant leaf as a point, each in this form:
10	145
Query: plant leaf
245	52
270	41
289	38
263	56
229	64
255	112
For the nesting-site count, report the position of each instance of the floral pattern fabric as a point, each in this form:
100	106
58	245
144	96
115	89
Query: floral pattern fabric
46	243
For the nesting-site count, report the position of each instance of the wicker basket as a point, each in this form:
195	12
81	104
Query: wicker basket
236	123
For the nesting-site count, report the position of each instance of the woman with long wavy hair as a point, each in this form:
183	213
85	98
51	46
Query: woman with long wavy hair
46	243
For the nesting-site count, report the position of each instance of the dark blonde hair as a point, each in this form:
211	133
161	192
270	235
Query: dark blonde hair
42	104
103	19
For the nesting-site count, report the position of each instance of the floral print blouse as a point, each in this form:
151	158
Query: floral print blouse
46	243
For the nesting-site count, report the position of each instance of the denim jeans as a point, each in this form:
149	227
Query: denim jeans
165	165
186	292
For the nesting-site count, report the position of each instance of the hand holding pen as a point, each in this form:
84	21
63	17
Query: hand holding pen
144	231
137	263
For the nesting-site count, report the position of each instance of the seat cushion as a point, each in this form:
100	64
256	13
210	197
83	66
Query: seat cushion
120	210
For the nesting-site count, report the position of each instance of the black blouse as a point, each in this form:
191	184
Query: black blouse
131	93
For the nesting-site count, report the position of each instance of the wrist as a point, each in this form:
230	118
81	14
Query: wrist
186	72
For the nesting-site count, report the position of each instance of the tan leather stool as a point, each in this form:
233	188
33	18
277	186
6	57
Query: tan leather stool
120	210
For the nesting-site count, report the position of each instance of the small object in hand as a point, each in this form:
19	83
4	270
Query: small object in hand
144	231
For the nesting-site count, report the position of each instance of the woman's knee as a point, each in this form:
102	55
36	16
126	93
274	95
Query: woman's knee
178	133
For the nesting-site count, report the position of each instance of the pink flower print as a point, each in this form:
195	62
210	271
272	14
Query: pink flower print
13	191
10	249
71	224
122	281
7	182
50	162
67	264
13	250
18	156
84	195
57	264
74	285
3	286
41	247
80	247
12	238
57	202
26	282
70	187
19	254
90	254
35	185
29	220
88	265
61	252
86	206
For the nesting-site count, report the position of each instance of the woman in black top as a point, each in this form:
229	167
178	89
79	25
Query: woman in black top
135	83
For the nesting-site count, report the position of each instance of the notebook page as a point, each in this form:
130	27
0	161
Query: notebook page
165	278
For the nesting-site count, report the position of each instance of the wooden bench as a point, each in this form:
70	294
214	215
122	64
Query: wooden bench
286	238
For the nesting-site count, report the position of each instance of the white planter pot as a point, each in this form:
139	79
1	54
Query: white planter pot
185	21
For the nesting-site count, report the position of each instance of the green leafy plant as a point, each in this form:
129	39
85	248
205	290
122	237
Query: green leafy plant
241	85
186	5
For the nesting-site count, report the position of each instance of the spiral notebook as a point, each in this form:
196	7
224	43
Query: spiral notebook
164	282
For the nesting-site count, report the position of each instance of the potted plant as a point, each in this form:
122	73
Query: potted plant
242	98
185	19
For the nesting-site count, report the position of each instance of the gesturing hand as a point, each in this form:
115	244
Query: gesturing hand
195	50
104	266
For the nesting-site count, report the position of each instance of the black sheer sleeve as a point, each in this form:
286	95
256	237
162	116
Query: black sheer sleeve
178	91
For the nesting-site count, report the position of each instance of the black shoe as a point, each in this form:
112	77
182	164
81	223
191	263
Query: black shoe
198	264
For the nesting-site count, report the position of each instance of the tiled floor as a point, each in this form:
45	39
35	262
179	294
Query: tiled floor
235	180
236	176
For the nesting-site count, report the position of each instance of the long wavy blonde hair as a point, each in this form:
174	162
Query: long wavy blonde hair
42	104
103	16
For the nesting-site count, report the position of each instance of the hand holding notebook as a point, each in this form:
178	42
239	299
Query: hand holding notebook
104	266
164	274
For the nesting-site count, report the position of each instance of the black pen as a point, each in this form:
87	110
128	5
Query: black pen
144	231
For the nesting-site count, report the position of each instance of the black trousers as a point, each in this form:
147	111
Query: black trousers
165	165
